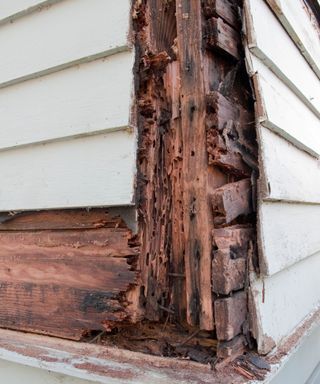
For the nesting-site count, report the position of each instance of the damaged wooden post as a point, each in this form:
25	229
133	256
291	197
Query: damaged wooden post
197	219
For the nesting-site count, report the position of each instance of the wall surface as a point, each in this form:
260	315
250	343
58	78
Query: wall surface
282	60
66	78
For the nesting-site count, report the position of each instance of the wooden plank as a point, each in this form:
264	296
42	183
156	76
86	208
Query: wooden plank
281	54
284	113
219	35
289	174
99	28
197	218
78	101
301	27
282	301
84	172
66	282
58	220
288	234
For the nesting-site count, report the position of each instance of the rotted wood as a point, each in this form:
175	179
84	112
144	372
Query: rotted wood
220	36
229	265
230	315
231	144
197	219
225	9
231	201
68	280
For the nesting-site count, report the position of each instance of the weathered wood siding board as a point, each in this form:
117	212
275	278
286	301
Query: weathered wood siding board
289	173
283	112
66	282
282	301
80	100
296	20
34	44
289	233
281	55
88	171
287	93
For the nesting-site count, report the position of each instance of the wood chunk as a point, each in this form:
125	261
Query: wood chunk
230	314
65	282
230	260
222	8
231	349
232	200
230	130
219	35
227	274
235	238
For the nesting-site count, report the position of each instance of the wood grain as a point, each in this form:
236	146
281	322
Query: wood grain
65	282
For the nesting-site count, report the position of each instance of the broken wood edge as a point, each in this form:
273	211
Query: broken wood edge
104	364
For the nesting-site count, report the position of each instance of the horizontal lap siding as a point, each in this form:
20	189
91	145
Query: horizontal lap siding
273	46
66	84
296	22
287	110
80	100
61	34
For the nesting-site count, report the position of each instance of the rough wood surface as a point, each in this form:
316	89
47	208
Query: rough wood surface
65	273
230	315
232	200
222	8
219	35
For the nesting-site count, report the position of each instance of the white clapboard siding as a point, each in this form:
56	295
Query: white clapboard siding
289	173
270	42
284	300
84	172
12	9
300	27
289	232
284	112
60	35
80	100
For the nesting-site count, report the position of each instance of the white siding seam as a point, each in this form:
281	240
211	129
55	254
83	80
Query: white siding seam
27	11
267	199
66	65
275	69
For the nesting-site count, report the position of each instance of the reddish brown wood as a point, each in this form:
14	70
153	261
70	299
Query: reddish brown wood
232	200
231	349
230	315
66	282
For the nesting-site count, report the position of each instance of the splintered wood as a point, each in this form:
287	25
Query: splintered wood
65	273
197	164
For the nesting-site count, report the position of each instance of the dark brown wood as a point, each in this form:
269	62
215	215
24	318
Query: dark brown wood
66	282
224	9
220	36
230	315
